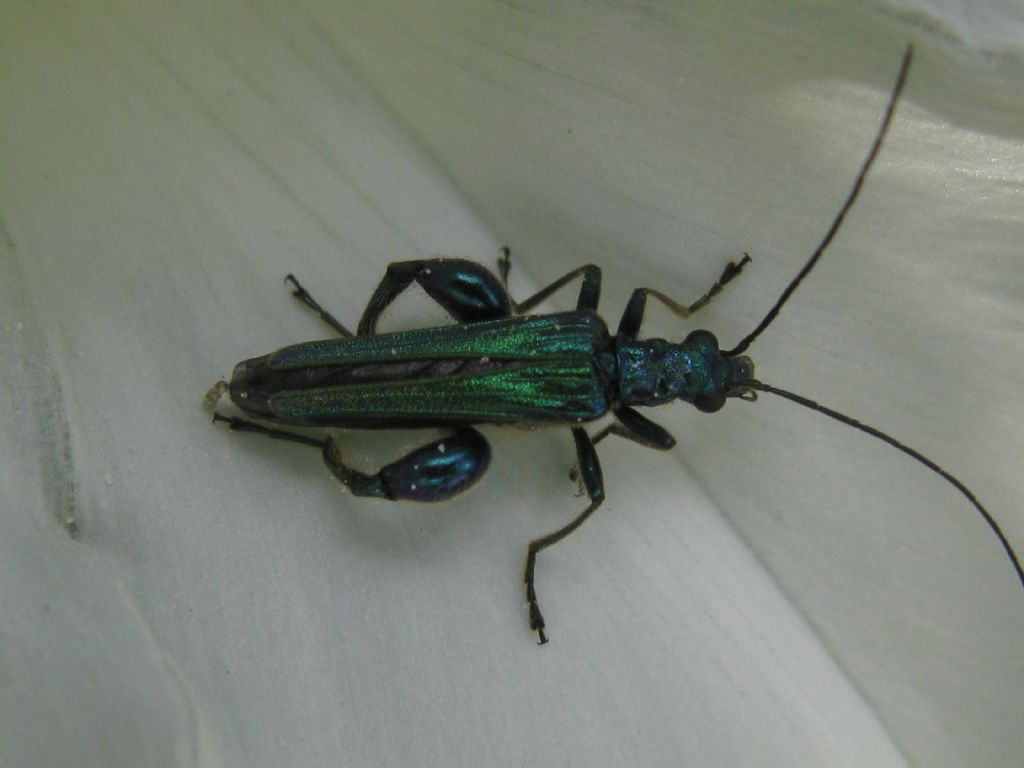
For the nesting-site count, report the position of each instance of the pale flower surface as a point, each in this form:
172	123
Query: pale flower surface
777	591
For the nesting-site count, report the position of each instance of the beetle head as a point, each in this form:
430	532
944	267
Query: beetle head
723	376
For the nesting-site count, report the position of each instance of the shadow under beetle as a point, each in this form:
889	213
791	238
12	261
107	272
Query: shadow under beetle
496	365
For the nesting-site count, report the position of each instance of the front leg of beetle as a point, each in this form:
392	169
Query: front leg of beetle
593	482
633	316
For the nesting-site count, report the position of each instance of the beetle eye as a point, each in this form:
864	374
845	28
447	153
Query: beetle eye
709	403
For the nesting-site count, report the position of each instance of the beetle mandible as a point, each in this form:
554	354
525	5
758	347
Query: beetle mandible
498	365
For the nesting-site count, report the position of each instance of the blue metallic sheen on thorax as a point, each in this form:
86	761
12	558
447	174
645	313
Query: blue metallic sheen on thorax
655	371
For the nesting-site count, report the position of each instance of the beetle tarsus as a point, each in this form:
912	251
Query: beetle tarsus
543	638
504	265
241	425
536	618
300	293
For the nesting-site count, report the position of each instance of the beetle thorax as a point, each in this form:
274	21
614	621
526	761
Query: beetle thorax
655	371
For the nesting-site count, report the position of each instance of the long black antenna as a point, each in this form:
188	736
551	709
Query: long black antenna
851	422
838	221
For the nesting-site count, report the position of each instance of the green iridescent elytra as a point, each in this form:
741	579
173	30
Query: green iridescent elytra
519	370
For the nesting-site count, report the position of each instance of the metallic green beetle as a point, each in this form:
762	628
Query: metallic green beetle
497	365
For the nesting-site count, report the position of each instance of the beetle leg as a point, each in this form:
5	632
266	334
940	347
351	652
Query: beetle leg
241	425
434	472
468	291
632	426
593	482
590	291
300	293
638	428
504	265
633	316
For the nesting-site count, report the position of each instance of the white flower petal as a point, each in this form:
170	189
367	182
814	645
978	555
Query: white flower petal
226	602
